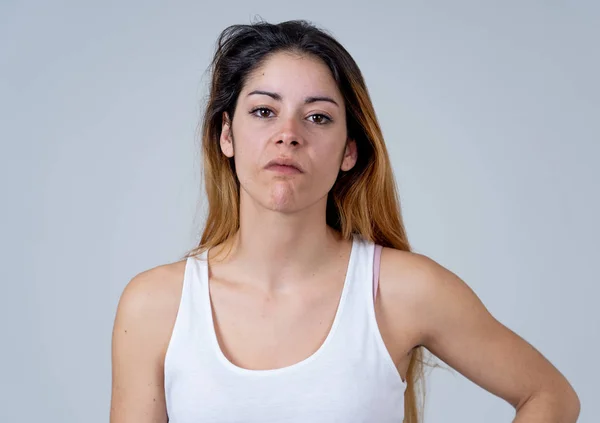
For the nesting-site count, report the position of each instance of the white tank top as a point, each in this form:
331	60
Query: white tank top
351	378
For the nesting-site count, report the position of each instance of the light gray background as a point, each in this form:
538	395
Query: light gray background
491	114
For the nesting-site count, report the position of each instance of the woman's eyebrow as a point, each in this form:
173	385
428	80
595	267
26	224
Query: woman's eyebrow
307	100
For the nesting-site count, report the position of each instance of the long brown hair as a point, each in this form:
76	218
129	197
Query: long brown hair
363	200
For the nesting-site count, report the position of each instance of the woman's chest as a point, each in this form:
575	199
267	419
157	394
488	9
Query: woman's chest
333	393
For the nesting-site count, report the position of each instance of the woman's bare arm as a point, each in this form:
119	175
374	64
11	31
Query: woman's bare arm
142	327
457	328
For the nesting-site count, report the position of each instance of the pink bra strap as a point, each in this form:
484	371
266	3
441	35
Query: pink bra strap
376	261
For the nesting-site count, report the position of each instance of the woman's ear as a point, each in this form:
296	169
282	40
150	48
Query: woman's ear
226	139
350	155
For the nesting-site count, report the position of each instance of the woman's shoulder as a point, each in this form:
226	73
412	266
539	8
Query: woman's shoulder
416	289
151	290
149	303
415	277
410	270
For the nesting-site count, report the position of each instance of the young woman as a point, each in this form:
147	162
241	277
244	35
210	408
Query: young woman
303	301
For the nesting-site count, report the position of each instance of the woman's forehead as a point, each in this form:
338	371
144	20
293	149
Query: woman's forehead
293	75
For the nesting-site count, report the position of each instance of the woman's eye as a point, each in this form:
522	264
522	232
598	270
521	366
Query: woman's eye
263	112
320	119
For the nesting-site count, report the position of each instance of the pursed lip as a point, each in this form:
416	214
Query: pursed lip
285	161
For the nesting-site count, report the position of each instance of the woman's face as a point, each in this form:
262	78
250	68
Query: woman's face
289	107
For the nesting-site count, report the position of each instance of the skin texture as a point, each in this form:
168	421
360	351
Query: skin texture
286	270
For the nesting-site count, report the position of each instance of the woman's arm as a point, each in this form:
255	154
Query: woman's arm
138	344
457	328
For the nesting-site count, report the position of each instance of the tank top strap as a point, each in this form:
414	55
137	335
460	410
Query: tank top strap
376	264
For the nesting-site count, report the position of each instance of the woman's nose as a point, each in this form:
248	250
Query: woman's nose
290	131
